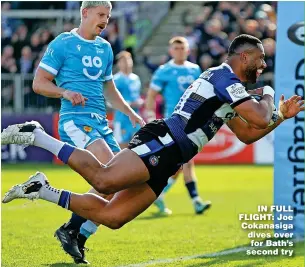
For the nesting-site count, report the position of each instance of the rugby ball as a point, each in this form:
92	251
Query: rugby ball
274	114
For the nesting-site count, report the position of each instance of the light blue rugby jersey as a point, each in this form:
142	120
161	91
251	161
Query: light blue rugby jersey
130	88
172	80
82	66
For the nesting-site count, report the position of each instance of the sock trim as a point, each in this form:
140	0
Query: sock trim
65	153
64	199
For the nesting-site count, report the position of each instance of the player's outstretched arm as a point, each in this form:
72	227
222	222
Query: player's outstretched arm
287	109
118	102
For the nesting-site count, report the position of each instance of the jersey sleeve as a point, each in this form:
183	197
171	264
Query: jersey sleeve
230	90
54	56
108	73
158	80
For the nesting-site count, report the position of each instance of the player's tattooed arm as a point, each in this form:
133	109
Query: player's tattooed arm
287	109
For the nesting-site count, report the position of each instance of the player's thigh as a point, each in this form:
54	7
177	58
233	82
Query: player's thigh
126	169
129	203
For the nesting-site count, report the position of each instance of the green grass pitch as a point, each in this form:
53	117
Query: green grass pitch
28	227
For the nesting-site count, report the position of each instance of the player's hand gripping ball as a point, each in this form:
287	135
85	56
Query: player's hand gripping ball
275	115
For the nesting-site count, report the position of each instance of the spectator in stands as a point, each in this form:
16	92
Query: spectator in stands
262	20
215	44
8	62
46	37
26	60
205	62
251	27
35	44
271	30
113	38
191	37
19	40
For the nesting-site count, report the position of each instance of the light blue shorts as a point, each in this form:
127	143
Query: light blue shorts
124	131
81	130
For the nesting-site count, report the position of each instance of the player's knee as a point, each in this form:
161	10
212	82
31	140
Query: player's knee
116	222
105	187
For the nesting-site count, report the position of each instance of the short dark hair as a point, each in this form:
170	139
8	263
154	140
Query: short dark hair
241	40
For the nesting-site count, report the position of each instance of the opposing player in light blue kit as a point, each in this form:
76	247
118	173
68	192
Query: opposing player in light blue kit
129	85
81	63
171	80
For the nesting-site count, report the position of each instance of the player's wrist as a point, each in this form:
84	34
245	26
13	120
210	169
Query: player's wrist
281	115
268	90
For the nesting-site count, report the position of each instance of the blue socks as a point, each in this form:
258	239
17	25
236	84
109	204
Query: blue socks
192	189
88	228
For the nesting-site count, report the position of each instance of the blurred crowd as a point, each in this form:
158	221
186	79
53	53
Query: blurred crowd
24	42
210	32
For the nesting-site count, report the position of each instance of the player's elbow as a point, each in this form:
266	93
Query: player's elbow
245	139
36	86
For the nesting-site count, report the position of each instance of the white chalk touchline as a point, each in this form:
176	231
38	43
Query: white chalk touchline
208	255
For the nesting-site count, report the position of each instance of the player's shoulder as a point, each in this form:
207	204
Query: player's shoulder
117	76
164	67
134	76
191	65
221	74
101	41
63	37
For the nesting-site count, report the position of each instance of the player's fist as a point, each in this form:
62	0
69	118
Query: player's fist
75	98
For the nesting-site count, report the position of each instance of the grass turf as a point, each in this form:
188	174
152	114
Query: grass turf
28	227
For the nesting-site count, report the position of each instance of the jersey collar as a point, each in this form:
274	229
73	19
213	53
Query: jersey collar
78	36
171	62
227	66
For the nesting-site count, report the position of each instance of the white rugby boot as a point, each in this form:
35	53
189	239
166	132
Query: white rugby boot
29	189
20	134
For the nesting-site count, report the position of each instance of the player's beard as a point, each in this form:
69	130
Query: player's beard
251	74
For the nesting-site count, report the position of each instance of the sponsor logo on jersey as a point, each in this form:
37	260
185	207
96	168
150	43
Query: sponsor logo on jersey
90	62
153	160
87	129
237	91
207	75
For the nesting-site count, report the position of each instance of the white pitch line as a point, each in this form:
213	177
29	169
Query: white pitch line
208	255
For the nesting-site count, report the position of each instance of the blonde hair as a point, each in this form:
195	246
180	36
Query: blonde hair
123	54
88	4
178	40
